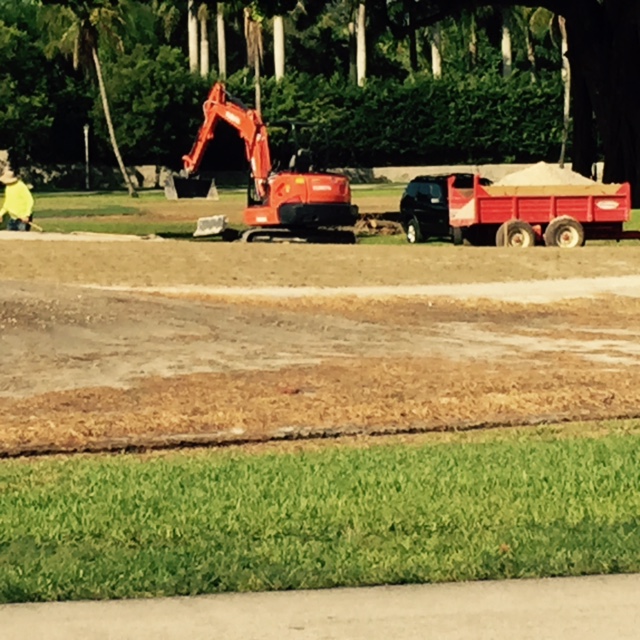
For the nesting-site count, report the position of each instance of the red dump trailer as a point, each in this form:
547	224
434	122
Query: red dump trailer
521	216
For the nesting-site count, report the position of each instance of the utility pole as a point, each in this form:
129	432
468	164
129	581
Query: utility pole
87	184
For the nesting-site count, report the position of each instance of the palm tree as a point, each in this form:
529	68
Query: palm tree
473	38
507	50
566	81
75	29
253	36
434	35
533	24
192	31
169	16
353	62
278	46
361	44
542	22
222	41
203	19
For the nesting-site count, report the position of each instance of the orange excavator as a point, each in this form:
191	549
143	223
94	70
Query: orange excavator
293	205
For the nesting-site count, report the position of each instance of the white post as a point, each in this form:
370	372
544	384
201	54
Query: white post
86	157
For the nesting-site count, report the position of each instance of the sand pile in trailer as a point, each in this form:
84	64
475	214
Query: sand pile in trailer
544	175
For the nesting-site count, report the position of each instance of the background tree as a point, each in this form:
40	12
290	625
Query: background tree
604	45
75	29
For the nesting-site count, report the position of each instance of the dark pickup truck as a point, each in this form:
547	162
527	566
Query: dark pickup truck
424	207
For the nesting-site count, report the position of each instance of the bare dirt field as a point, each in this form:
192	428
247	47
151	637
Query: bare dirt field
82	363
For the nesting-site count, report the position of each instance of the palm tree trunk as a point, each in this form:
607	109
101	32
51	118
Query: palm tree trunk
531	54
253	37
435	38
361	54
192	24
205	66
353	65
222	42
107	114
413	45
566	83
258	89
473	40
278	46
507	51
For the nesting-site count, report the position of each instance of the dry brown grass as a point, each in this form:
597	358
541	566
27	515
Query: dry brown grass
598	316
217	263
368	394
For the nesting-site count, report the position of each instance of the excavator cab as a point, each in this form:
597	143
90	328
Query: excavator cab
297	146
301	161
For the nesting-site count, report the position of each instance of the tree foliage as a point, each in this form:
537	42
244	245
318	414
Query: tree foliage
26	113
401	116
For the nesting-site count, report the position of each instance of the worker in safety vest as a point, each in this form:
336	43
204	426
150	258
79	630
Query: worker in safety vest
18	202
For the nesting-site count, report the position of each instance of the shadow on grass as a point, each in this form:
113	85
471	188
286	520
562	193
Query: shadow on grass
228	235
112	210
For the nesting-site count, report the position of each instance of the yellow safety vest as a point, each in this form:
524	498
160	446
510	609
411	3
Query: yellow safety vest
18	201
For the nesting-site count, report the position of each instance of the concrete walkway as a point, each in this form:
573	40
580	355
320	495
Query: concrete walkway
593	608
538	291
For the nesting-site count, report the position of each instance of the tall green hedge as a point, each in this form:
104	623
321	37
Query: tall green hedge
426	121
421	121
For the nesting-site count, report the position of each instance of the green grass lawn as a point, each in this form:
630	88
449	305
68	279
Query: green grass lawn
520	503
64	213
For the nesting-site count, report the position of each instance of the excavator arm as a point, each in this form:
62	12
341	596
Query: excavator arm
218	106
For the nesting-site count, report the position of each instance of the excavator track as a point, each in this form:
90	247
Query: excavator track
309	236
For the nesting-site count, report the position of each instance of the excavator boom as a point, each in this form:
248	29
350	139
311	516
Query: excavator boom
220	106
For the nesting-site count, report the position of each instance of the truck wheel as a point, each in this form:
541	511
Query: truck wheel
414	234
564	232
456	234
515	233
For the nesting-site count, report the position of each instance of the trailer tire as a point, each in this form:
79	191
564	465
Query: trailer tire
457	236
414	233
515	233
564	232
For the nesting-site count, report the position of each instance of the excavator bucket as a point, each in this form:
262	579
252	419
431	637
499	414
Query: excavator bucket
211	226
177	187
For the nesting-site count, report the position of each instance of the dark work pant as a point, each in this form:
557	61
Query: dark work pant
14	224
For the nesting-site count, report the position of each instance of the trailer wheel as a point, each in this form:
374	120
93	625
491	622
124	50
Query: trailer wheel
456	235
564	232
515	233
414	233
